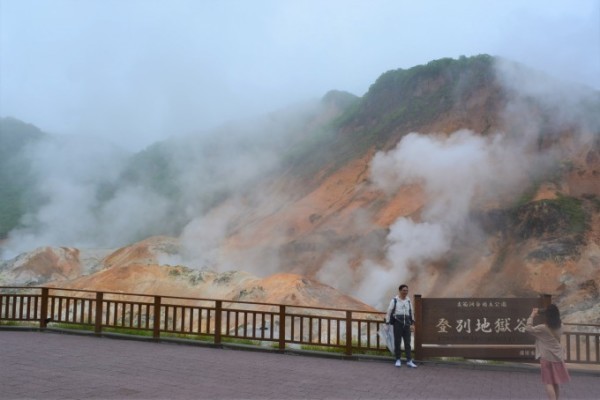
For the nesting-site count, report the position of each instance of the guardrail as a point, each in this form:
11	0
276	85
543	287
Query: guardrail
277	325
350	331
582	343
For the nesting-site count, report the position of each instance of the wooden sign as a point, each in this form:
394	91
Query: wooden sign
476	321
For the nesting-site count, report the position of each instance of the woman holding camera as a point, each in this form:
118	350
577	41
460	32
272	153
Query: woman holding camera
548	349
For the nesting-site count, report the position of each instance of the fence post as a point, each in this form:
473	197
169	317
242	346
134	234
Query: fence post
157	313
282	328
44	309
348	333
99	313
546	300
418	325
218	321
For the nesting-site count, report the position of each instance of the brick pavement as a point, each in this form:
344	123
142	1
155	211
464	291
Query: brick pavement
47	365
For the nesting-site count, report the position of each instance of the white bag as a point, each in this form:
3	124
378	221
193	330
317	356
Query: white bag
386	333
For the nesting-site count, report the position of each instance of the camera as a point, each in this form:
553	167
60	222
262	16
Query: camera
541	311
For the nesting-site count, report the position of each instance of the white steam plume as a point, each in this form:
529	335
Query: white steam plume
69	172
84	201
452	170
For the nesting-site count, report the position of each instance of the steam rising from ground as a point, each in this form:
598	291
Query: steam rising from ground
69	173
463	169
452	170
86	201
457	173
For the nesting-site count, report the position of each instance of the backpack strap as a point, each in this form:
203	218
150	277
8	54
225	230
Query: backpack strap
392	316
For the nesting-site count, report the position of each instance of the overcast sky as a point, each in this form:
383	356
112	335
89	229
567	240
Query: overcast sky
139	71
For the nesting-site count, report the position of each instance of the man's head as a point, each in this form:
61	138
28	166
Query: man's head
403	289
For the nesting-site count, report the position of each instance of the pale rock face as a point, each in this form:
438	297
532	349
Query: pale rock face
137	272
42	265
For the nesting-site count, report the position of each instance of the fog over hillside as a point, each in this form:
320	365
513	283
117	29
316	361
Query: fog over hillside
139	71
207	189
456	170
89	202
459	168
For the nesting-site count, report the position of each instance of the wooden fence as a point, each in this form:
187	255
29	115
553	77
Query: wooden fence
279	325
582	343
276	325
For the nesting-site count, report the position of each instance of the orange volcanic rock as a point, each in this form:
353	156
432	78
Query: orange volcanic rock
181	281
148	251
135	269
298	290
43	264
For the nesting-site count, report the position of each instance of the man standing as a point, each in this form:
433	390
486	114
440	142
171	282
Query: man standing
400	313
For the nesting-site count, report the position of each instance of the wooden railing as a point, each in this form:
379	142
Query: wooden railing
582	343
277	325
350	331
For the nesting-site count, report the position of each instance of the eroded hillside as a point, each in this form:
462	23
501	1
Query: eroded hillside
467	177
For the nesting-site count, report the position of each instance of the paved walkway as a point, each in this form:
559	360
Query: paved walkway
49	365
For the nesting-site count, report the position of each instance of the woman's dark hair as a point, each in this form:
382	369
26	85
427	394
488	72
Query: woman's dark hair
553	317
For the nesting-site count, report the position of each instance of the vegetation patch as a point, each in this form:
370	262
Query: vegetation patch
20	323
342	350
559	225
247	342
573	209
552	218
254	291
594	200
15	137
398	102
528	195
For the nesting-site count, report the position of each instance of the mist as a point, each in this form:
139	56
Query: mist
88	200
140	71
464	171
202	85
70	175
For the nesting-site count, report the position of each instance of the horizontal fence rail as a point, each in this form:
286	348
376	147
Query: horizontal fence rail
582	343
217	321
273	325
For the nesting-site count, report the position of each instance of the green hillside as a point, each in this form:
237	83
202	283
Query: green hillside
400	101
15	178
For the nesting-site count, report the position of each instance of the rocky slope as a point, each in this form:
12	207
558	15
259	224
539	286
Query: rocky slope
461	178
136	269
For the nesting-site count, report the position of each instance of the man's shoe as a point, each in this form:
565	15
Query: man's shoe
398	363
411	364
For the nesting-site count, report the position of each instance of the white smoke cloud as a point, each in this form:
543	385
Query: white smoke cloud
377	284
453	171
201	239
567	105
464	171
69	172
131	212
330	272
86	204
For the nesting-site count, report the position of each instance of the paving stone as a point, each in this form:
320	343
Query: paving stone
50	365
